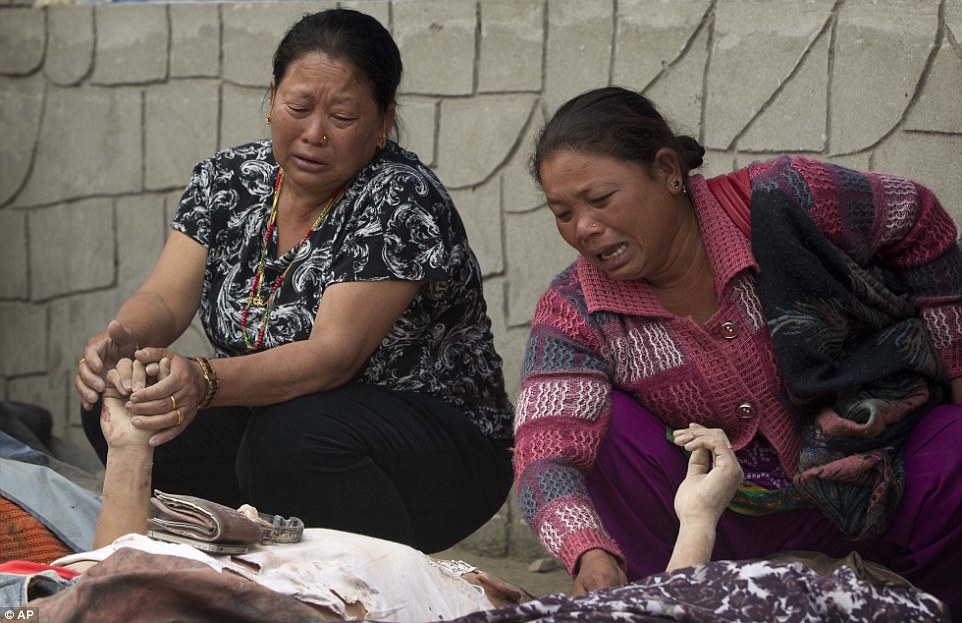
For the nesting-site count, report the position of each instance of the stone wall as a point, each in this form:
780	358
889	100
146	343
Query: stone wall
104	109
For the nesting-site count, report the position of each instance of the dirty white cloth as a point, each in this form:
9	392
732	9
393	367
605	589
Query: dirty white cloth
337	570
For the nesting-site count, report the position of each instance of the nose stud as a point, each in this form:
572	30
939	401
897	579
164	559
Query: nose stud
594	226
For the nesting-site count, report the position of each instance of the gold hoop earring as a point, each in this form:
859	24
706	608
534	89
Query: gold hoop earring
382	141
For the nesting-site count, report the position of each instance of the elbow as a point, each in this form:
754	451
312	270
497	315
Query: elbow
336	373
342	370
340	378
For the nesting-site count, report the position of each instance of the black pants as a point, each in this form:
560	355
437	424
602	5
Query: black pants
401	466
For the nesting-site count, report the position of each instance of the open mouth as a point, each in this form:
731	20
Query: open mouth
309	162
607	255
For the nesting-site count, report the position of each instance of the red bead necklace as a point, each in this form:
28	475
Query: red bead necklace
254	299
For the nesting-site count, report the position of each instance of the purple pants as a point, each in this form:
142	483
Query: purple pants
636	474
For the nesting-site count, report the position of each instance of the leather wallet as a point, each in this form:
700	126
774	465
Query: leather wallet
202	519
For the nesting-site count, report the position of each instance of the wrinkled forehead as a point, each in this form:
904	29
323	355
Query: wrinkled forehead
311	72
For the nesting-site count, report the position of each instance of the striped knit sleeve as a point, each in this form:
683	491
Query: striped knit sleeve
902	222
561	417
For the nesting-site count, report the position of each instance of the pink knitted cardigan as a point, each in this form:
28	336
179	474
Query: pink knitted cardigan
591	334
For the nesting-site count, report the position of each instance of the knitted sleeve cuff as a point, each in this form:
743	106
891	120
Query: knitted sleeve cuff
577	543
952	360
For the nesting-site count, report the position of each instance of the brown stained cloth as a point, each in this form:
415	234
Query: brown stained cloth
132	586
826	565
23	537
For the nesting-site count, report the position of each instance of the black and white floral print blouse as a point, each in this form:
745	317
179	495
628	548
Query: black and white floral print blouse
394	220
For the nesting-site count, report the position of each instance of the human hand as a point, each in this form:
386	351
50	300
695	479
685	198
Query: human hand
129	375
169	406
597	569
116	422
713	474
101	354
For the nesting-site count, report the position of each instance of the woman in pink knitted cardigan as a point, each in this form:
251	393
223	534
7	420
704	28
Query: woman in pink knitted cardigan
812	312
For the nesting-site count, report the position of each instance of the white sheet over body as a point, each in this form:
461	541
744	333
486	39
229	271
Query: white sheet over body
334	569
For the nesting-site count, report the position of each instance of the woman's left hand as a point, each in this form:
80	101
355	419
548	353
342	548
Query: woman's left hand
169	405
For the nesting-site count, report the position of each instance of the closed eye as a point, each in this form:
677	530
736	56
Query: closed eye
560	210
600	200
343	121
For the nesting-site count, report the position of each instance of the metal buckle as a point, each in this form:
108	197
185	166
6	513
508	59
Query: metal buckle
280	529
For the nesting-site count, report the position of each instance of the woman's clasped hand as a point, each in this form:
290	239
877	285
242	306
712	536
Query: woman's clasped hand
168	404
118	424
102	353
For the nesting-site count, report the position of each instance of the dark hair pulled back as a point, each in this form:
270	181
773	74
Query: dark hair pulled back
347	36
613	122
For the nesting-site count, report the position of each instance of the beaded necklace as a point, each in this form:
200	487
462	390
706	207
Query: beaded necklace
255	298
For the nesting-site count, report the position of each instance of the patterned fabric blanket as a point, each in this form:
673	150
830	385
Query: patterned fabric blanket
733	591
132	586
858	362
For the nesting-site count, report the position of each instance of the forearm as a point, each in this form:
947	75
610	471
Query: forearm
556	494
352	321
928	259
282	373
910	231
126	496
694	545
162	308
150	319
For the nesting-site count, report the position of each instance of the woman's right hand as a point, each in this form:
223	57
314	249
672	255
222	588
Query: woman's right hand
101	355
597	569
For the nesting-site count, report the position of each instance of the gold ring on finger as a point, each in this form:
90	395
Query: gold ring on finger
173	403
81	362
180	416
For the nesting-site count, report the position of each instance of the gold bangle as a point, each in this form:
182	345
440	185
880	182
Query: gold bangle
211	382
214	381
205	401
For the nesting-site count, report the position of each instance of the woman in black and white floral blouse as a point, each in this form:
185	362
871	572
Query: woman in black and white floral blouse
355	383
